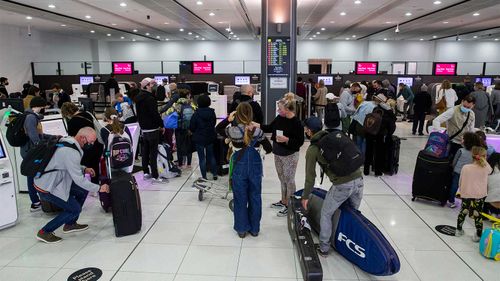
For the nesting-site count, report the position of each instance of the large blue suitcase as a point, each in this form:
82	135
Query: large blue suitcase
355	237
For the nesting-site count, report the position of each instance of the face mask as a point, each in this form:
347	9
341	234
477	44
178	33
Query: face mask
7	84
37	110
308	137
464	109
87	146
42	111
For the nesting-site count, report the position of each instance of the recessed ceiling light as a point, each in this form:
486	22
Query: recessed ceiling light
88	17
459	39
347	38
166	23
385	39
158	37
343	13
496	39
199	3
357	2
388	22
135	30
310	38
29	18
181	29
323	28
318	32
231	33
197	36
166	39
92	31
434	37
235	36
408	14
109	34
202	39
63	25
123	4
332	21
476	14
211	14
446	22
113	24
133	40
437	2
190	33
122	37
475	36
354	36
52	6
421	39
314	36
147	33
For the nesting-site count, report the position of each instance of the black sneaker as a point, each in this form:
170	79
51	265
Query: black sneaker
35	207
278	205
254	234
47	237
242	234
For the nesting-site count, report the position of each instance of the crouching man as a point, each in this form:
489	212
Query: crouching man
349	187
64	185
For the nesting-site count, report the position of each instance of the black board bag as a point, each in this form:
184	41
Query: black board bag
432	178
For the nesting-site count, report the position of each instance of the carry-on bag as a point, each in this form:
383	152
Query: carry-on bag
355	237
431	178
300	232
166	167
220	152
392	161
489	245
126	202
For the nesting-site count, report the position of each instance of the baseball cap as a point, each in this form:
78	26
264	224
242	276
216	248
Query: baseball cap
330	96
314	124
145	82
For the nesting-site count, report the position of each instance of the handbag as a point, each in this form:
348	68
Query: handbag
441	104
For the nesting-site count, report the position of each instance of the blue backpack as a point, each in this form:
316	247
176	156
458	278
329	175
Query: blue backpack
356	238
171	121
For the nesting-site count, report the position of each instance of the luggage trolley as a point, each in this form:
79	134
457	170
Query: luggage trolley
216	189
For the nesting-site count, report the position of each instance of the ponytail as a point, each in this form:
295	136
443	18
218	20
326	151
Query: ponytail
116	126
479	156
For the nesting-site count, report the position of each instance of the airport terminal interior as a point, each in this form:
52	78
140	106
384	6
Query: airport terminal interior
373	68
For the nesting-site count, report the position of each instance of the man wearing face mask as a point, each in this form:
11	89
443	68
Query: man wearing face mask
344	188
459	119
66	186
3	90
247	92
33	129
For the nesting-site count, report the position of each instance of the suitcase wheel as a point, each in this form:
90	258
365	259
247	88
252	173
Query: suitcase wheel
413	199
443	204
200	195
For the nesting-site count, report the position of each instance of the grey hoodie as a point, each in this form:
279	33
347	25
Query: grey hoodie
66	162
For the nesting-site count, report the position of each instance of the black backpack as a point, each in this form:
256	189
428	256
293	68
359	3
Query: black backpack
16	135
38	157
341	153
332	115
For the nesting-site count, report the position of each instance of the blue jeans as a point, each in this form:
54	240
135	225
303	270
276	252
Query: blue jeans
209	149
71	209
361	144
32	191
454	187
247	189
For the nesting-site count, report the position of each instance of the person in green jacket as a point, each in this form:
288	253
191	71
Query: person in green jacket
408	95
345	188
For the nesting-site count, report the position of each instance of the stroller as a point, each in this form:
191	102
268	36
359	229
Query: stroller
166	167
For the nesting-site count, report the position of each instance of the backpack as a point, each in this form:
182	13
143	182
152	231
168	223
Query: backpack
332	115
489	246
186	114
171	121
437	144
341	153
39	156
119	150
373	122
16	134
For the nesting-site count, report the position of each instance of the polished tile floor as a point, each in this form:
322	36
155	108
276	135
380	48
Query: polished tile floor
183	239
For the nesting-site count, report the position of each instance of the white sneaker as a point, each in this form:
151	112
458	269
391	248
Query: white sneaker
147	176
159	180
476	238
283	213
459	233
452	205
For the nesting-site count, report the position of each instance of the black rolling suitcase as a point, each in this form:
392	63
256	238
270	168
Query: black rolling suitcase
432	178
126	203
300	232
220	151
392	161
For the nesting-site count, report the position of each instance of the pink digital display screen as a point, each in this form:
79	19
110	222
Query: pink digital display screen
366	68
123	67
203	67
445	68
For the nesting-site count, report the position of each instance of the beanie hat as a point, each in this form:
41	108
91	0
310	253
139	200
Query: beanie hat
424	88
204	101
314	124
38	102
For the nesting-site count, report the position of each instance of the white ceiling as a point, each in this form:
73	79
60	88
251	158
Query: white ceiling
372	19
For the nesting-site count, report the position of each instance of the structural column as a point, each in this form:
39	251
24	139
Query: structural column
279	47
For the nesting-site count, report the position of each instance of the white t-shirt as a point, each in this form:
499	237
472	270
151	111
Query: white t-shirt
450	96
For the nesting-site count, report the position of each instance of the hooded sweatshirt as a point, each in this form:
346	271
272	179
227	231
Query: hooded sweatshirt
66	163
203	126
147	112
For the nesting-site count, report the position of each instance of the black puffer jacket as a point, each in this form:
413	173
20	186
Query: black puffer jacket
203	126
147	111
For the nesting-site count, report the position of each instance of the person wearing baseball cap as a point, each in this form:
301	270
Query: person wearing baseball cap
151	123
343	188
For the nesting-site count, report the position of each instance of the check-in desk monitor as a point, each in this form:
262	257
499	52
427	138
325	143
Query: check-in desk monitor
55	127
8	203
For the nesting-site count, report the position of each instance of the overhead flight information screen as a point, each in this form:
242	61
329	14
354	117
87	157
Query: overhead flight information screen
278	56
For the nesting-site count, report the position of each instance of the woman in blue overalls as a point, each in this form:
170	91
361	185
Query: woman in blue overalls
246	178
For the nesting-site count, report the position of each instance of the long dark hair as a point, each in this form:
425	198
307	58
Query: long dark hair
112	115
